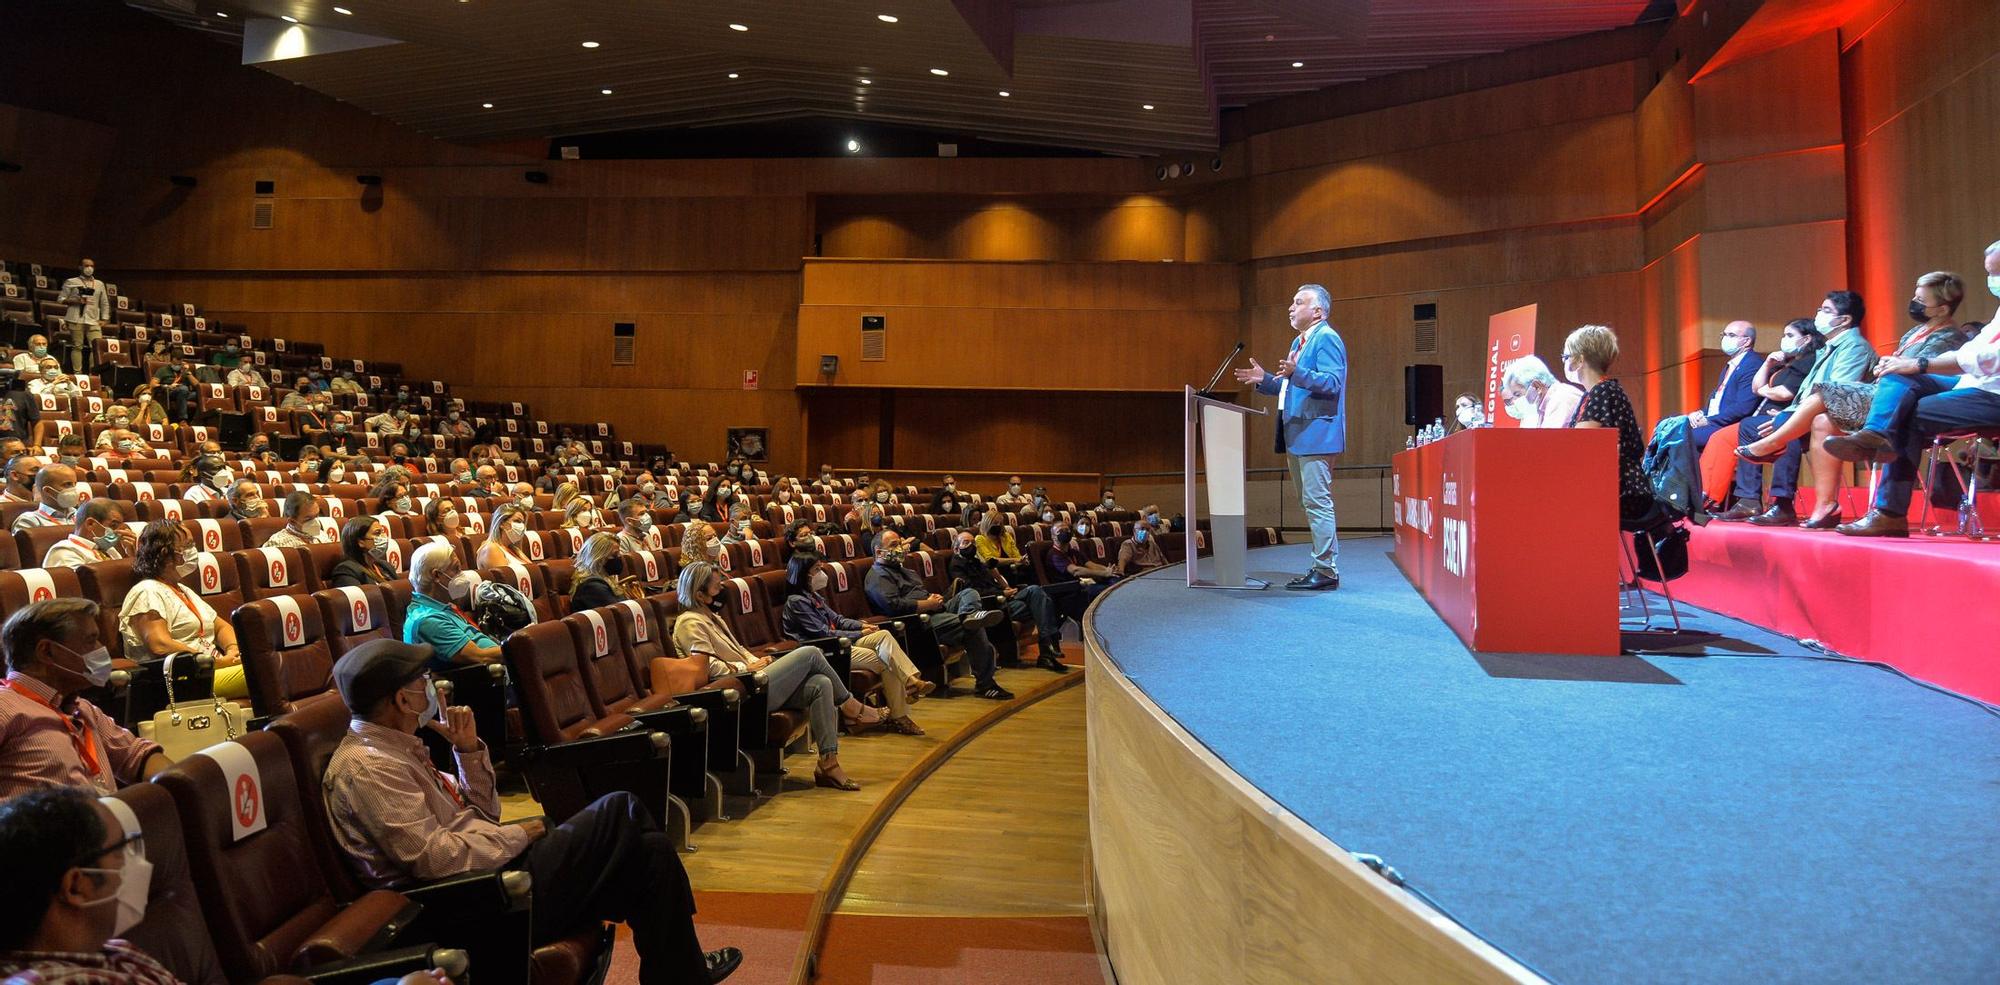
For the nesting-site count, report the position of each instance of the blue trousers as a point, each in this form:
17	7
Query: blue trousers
1784	473
1911	409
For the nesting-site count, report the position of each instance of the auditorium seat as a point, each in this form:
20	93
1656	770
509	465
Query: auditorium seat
286	656
574	755
267	571
174	932
532	582
608	679
259	529
34	542
216	535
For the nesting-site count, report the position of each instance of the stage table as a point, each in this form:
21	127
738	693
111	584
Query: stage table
1512	536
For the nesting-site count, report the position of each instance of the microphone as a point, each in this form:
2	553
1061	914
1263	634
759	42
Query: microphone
1219	370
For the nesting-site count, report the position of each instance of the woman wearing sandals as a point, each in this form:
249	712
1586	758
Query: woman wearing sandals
801	679
809	617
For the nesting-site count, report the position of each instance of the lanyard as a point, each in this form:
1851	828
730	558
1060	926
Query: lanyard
86	746
196	613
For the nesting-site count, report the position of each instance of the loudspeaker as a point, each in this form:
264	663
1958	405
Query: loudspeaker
1423	393
829	365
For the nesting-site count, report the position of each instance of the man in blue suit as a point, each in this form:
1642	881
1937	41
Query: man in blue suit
1311	387
1733	399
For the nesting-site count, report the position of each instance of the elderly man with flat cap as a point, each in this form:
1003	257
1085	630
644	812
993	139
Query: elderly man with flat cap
399	820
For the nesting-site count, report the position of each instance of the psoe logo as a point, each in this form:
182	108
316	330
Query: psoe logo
1457	543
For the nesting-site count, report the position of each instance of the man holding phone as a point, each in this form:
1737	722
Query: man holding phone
89	307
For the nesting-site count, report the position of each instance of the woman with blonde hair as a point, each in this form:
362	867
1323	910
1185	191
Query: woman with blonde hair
1586	358
699	543
506	539
566	494
599	578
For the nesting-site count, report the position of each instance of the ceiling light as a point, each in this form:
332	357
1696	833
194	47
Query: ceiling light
605	91
939	71
289	19
485	105
1298	64
1146	106
220	14
739	27
735	75
866	82
853	146
590	44
887	18
1004	93
343	10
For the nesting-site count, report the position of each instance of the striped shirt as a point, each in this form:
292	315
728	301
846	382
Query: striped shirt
43	742
399	820
119	963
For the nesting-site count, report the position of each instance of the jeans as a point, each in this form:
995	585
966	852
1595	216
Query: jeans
802	679
612	862
1909	410
1313	474
950	630
1784	474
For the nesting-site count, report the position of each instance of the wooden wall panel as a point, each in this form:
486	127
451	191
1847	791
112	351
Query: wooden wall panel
1119	286
1784	100
943	431
1665	130
1136	227
45	207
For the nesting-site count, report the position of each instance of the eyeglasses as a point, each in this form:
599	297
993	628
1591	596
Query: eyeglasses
92	856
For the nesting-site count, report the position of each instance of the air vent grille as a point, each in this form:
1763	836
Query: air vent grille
263	213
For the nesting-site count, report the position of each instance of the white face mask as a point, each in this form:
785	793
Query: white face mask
431	712
135	881
460	588
1822	321
1789	344
1573	375
819	580
1993	284
1524	410
1731	346
1468	416
714	549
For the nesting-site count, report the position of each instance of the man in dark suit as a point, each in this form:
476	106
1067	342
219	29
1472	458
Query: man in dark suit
1733	399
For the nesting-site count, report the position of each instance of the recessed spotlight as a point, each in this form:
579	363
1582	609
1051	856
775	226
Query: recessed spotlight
1146	106
1298	64
1004	93
939	71
887	18
220	14
605	91
735	75
343	10
854	146
485	105
590	44
289	19
739	27
866	82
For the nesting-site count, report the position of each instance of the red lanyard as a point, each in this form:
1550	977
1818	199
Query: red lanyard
196	613
86	747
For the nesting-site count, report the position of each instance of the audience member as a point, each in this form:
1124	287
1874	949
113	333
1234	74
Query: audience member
88	302
162	617
1021	603
28	361
441	517
364	554
50	736
398	820
246	373
807	616
894	590
599	575
997	546
51	381
699	543
246	500
100	535
77	880
20	412
1587	356
441	589
56	497
1013	498
1142	552
801	679
303	527
635	530
946	501
1844	357
506	538
21	470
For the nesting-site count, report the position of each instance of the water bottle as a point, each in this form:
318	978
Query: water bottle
1410	442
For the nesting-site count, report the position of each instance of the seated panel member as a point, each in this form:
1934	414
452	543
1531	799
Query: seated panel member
1535	397
1734	398
399	820
1846	356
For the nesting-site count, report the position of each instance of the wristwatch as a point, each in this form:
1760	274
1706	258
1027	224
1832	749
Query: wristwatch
1923	364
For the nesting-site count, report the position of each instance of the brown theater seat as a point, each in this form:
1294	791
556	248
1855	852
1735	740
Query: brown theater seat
174	931
575	755
286	657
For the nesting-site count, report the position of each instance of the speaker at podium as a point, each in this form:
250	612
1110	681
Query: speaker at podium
1213	446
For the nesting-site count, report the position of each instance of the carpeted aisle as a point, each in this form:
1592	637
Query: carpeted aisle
1730	818
767	926
866	949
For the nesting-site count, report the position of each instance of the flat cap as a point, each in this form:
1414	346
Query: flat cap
376	669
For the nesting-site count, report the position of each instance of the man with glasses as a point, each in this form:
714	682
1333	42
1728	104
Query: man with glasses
1734	397
77	879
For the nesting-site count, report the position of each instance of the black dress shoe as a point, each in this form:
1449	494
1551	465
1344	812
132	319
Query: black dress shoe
1743	510
1300	581
722	963
1877	524
1779	515
1861	446
1316	581
1826	522
1049	662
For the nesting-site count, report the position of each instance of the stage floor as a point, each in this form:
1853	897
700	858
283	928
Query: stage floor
1746	816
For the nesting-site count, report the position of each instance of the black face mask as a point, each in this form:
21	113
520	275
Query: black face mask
715	604
968	553
614	566
1917	311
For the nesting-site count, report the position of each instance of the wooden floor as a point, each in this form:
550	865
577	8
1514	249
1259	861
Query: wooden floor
1000	830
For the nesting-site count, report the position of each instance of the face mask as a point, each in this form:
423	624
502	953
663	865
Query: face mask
968	551
461	586
1993	285
189	560
714	549
1731	347
50	374
950	486
642	523
1917	309
1466	416
135	880
340	426
90	271
1573	375
105	541
402	415
876	520
827	477
1823	321
1789	344
40	351
451	521
252	508
401	504
527	502
452	416
68	498
1140	536
894	556
517	532
818	580
1048	517
465	476
1521	410
379	550
96	663
614	566
647	489
881	497
127	445
1014	488
309	526
1083	530
222	478
1154	519
431	712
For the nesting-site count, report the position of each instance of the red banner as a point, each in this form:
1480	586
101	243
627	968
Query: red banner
1509	336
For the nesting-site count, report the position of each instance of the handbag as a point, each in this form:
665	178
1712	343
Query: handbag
184	728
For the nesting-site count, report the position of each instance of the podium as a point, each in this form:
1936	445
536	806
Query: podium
1215	428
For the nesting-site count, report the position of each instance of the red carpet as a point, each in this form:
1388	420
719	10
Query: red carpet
882	950
1923	605
767	926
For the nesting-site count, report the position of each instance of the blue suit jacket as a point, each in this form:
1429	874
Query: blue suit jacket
1738	400
1312	419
